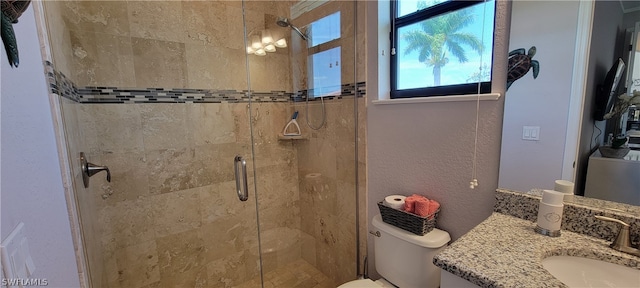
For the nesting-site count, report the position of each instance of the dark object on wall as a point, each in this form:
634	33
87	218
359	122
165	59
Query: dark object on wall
606	93
520	64
11	10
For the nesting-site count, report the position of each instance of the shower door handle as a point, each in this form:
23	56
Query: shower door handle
241	188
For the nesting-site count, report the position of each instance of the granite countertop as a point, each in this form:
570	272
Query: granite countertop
504	251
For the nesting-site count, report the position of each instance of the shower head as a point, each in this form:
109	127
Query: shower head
284	22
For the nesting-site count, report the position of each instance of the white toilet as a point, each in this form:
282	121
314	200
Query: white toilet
404	259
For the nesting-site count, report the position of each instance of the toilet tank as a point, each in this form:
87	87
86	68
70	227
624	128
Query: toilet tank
406	259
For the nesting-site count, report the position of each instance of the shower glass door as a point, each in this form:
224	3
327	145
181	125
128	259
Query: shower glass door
302	67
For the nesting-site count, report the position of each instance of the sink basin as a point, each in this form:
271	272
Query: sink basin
584	272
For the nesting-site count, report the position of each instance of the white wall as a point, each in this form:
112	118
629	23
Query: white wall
31	183
542	102
427	148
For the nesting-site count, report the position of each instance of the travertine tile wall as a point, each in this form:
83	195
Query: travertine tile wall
170	44
171	217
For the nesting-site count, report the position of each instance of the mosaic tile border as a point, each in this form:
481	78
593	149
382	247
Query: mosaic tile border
61	85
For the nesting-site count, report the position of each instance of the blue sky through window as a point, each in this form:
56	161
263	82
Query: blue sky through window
414	74
406	7
324	29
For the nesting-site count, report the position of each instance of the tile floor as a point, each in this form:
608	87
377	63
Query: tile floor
297	274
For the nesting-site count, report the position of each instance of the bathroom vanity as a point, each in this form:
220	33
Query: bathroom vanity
504	250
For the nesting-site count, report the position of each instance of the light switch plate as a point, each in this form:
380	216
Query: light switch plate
16	257
531	133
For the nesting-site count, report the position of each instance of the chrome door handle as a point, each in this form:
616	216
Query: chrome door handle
241	188
90	169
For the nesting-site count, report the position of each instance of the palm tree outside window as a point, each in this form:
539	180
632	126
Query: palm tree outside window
441	47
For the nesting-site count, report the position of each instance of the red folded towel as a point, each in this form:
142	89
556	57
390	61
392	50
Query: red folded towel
433	206
420	205
409	204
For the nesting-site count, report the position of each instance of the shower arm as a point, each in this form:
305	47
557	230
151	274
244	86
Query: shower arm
304	37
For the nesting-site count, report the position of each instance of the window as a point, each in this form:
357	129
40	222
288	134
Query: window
325	68
441	47
324	57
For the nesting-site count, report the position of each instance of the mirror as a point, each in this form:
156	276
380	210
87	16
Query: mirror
554	111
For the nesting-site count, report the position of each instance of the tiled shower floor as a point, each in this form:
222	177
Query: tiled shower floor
297	274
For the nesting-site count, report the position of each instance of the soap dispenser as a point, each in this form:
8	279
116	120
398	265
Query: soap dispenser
550	213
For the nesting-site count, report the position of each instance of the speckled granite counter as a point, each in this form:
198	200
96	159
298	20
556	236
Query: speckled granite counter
578	213
504	251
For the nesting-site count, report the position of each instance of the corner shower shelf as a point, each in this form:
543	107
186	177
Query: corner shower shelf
296	137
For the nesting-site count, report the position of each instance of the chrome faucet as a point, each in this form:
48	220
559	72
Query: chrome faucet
623	240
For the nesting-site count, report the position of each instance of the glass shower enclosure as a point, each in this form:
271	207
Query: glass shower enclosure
185	103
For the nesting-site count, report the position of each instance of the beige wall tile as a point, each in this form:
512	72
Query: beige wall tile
158	20
59	38
277	184
344	120
283	152
319	156
181	260
308	248
281	215
262	127
206	22
165	126
129	179
118	128
128	222
270	72
326	260
215	67
110	273
220	201
346	161
138	265
268	120
176	212
159	63
270	7
229	235
109	17
211	123
219	158
236	27
241	120
232	270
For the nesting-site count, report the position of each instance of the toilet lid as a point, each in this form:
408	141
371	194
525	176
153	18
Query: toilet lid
362	283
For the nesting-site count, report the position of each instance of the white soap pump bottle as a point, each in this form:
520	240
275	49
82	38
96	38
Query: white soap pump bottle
550	213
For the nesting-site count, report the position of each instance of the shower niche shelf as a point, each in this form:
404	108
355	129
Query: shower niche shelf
291	137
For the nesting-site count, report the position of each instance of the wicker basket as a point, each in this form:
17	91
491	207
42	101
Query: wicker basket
407	221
